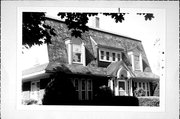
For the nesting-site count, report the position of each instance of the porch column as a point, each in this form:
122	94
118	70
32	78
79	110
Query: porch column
83	54
110	84
69	47
131	89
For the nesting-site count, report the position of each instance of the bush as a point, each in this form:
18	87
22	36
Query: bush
60	91
30	102
139	92
148	101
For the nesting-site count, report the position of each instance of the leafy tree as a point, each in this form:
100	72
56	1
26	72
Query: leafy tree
34	29
36	32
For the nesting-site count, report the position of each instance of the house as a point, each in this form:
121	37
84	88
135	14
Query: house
99	58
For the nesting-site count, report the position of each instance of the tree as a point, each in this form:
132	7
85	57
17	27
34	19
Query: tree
36	32
34	29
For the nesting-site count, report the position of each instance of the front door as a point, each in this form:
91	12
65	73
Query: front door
122	88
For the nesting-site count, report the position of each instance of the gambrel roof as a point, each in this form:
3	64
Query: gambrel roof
93	39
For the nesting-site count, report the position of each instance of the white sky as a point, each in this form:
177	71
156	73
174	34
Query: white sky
133	26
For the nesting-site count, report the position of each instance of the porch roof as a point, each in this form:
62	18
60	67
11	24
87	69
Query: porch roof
75	69
53	67
34	69
113	68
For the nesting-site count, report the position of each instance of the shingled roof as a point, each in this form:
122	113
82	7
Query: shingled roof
75	69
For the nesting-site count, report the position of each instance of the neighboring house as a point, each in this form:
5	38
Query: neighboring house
99	58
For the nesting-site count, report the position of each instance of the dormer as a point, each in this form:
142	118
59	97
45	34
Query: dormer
136	60
109	55
76	51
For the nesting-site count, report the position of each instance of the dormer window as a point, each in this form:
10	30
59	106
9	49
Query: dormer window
76	51
77	55
102	55
109	55
114	56
118	57
136	60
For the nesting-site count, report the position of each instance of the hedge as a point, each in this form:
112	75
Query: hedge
148	101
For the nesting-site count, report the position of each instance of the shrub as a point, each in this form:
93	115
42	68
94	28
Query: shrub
30	102
139	92
148	101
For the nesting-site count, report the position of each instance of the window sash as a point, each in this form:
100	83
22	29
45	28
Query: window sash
84	88
77	53
109	56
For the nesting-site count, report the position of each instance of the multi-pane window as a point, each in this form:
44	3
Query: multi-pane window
118	57
83	88
113	56
102	55
107	55
144	85
148	89
139	84
77	53
135	85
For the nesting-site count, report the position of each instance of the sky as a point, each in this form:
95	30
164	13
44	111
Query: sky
134	26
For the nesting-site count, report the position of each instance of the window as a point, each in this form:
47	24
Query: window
107	55
144	86
137	62
148	89
113	56
77	53
84	88
118	57
102	55
139	84
135	85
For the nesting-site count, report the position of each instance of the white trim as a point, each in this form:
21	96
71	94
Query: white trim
125	87
110	55
33	74
93	41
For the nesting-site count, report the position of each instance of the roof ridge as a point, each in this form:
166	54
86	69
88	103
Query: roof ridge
98	29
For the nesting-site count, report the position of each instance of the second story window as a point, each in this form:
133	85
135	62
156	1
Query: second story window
107	55
77	53
114	56
118	57
137	62
102	55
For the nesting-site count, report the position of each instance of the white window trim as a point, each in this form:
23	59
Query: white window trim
110	55
131	54
69	45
